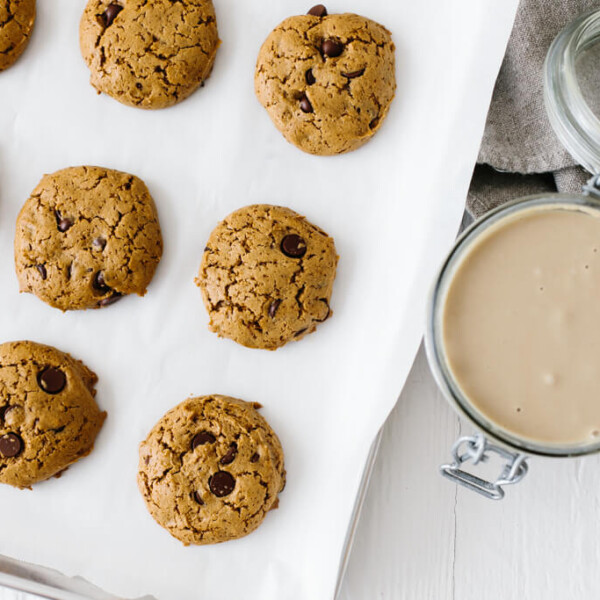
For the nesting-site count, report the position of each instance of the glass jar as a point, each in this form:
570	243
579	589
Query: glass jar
578	129
571	117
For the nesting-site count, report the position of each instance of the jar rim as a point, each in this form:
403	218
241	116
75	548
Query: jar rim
571	118
434	345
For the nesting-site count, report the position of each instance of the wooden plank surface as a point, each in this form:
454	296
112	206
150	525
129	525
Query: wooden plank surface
420	537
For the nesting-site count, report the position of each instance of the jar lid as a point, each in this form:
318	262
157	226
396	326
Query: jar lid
572	119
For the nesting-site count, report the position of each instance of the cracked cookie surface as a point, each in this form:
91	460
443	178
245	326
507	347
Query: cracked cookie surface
266	276
149	54
86	237
48	416
211	469
16	24
327	81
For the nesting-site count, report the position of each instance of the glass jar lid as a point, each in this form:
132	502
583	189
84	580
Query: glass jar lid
570	105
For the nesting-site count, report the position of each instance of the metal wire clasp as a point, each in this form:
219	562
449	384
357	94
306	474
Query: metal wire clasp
592	186
476	449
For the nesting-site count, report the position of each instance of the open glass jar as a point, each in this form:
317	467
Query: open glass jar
572	116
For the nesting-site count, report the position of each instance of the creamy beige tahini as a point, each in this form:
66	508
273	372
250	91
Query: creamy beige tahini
521	325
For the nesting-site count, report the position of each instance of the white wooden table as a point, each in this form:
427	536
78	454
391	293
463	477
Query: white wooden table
422	538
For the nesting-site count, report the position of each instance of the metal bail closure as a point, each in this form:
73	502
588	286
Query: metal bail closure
477	449
592	187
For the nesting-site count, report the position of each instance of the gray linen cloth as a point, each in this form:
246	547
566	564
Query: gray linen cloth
520	154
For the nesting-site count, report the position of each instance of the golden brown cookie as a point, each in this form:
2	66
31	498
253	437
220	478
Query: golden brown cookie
48	416
211	469
327	81
16	24
148	54
266	276
86	237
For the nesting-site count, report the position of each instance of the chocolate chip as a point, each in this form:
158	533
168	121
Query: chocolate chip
63	223
204	437
110	13
300	332
110	300
221	483
305	105
198	498
42	271
293	246
254	458
99	243
10	445
332	48
138	85
52	380
353	74
3	411
273	308
374	123
230	455
99	283
318	11
310	78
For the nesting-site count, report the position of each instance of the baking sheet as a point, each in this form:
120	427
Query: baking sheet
393	208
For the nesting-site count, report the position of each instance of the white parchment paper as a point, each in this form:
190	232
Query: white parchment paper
393	208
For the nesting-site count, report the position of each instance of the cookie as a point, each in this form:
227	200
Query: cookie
48	416
86	237
327	81
148	54
211	469
16	24
266	276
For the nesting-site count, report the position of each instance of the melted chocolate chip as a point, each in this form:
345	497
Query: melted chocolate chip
52	380
99	243
332	48
63	223
99	283
254	458
293	246
10	445
198	498
353	74
273	308
204	437
42	271
231	454
310	78
110	300
318	11
221	483
110	13
305	105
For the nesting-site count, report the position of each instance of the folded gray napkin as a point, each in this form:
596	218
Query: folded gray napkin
520	154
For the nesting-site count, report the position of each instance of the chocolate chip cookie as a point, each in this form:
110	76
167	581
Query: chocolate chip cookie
16	24
327	81
48	416
148	54
266	276
211	469
86	237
